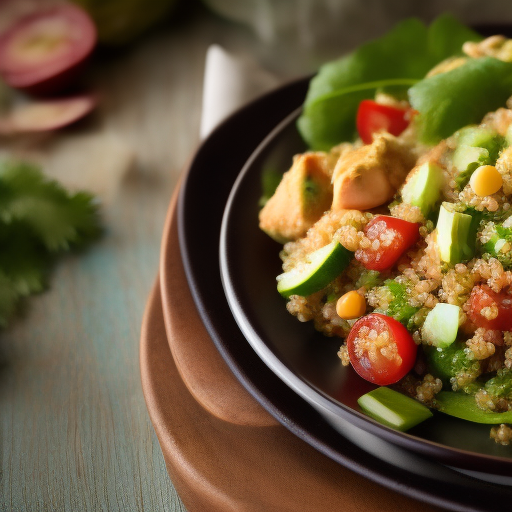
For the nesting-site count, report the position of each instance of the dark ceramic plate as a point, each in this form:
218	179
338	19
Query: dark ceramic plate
304	359
202	200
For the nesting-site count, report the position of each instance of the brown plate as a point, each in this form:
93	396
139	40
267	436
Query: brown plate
223	451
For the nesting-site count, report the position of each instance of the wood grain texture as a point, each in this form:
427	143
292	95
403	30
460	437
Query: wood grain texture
200	365
230	466
75	432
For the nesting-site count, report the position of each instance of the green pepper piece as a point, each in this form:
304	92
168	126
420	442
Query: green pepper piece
393	409
463	406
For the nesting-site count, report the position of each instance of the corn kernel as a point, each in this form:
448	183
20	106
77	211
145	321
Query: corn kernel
351	305
486	180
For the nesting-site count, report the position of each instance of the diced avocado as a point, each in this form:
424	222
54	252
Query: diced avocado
464	406
423	188
453	235
441	325
322	267
476	146
393	408
303	195
450	361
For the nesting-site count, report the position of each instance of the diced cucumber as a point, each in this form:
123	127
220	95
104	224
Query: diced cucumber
464	406
423	189
453	235
322	267
441	325
479	136
393	409
476	146
466	160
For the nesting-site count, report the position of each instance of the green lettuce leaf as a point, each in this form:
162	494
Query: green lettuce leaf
392	63
462	96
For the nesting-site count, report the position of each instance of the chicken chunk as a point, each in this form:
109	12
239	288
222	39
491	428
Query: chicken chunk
369	176
302	197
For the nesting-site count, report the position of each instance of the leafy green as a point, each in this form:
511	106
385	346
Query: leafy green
451	361
448	101
399	307
501	385
496	246
465	407
270	179
392	63
39	221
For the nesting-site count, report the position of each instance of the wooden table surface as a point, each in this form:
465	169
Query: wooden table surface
75	431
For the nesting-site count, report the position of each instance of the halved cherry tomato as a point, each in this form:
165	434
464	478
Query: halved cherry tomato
390	238
499	304
373	117
380	349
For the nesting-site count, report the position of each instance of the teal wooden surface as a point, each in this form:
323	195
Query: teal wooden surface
75	432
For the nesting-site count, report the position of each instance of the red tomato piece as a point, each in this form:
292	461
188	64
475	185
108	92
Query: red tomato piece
373	117
489	309
390	238
380	349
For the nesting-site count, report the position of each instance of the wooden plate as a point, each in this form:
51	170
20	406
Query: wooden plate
221	459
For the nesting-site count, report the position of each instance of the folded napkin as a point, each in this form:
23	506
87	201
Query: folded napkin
230	81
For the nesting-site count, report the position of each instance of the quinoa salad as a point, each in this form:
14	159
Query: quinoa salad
400	245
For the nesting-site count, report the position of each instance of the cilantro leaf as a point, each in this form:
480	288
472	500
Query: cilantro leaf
393	62
448	101
58	219
39	221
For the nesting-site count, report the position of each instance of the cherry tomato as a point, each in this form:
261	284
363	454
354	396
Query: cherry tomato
380	349
390	238
499	304
373	117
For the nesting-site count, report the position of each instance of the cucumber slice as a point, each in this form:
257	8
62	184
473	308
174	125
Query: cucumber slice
322	267
463	406
441	325
393	409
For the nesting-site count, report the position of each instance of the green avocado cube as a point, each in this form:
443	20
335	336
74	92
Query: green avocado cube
423	188
453	235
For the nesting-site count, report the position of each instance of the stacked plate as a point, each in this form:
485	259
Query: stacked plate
291	370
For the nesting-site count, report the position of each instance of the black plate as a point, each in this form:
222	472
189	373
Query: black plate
202	200
303	358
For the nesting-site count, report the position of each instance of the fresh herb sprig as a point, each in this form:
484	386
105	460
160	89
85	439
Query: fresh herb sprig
39	221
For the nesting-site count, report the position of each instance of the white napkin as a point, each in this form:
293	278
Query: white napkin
230	81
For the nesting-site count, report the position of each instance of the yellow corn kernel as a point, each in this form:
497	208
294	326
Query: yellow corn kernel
486	180
351	305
